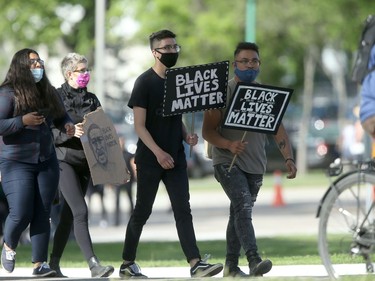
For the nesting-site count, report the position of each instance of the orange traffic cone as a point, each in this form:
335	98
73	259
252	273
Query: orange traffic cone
278	199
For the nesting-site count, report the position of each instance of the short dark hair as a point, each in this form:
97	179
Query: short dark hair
246	46
160	35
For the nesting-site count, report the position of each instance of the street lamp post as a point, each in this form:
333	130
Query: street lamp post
250	20
99	49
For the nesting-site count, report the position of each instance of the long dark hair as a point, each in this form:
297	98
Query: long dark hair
30	96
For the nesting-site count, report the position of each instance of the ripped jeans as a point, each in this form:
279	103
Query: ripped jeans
242	190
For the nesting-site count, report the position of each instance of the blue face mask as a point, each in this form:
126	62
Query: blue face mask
248	75
37	73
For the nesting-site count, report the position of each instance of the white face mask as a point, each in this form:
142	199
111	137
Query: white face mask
37	73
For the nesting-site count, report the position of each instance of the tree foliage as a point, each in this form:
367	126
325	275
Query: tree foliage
58	25
287	32
287	28
208	30
28	23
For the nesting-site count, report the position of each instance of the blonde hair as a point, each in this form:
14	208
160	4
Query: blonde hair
70	62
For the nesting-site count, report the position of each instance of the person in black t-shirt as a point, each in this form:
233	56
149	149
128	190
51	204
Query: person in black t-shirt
159	157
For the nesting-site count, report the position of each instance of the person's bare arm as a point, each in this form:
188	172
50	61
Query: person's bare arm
164	159
282	140
211	122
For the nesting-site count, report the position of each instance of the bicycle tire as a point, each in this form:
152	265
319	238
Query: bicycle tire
342	212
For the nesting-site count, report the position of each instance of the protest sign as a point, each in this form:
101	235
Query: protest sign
102	149
195	88
256	107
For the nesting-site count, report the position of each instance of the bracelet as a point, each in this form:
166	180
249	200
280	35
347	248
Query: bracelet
291	159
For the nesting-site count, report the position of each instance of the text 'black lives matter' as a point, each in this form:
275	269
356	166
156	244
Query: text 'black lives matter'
257	107
195	88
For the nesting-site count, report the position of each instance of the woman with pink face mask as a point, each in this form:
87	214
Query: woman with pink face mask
74	170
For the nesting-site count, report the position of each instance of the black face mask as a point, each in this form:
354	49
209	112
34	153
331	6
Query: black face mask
168	59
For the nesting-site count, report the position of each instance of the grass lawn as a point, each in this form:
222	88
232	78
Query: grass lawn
281	250
314	178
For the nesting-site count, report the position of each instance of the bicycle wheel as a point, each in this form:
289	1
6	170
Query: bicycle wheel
346	226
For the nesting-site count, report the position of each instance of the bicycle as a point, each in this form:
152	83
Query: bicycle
347	218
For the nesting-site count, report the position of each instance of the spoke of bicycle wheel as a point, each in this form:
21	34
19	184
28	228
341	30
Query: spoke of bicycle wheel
346	226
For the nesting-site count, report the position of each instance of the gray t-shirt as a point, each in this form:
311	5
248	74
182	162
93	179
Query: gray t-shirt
253	160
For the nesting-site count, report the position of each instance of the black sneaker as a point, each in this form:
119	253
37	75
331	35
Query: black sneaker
259	267
234	272
57	268
203	269
44	271
8	259
131	270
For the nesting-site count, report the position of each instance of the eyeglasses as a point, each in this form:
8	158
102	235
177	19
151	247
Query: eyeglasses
83	70
175	47
33	62
252	62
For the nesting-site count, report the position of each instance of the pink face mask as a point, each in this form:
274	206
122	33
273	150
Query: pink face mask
83	79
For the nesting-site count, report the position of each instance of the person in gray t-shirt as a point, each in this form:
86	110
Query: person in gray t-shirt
242	180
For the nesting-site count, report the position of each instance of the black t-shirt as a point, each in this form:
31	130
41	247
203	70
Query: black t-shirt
148	93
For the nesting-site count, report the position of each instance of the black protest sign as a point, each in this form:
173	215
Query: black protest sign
256	107
195	88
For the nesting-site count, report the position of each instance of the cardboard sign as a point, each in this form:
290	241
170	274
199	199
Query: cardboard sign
102	149
256	107
195	88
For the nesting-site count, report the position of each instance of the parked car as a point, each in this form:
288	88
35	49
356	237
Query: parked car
320	153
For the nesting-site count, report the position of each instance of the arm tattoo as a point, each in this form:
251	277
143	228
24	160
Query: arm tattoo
282	144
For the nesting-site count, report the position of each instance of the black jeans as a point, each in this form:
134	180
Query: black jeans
177	186
242	190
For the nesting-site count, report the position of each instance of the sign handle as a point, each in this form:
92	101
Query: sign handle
235	156
192	131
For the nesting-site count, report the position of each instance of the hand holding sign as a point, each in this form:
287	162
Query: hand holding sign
192	140
238	148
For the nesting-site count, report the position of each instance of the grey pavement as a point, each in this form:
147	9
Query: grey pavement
210	213
166	273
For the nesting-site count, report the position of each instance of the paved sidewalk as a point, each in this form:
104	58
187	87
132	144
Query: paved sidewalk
295	271
168	272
